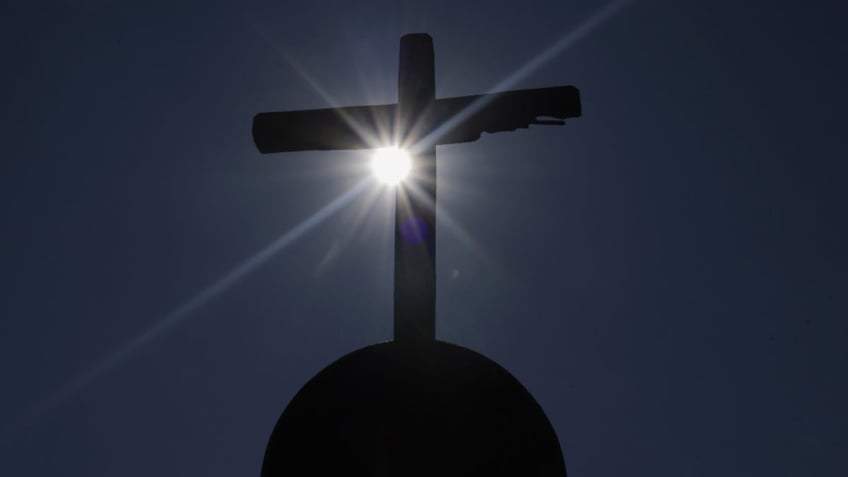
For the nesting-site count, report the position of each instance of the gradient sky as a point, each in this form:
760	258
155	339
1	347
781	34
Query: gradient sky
667	274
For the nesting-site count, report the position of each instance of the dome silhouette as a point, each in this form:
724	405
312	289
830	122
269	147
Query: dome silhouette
404	409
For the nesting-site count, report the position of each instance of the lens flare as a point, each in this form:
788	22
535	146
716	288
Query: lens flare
391	164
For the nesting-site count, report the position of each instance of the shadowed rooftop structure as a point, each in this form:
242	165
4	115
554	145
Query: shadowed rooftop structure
396	410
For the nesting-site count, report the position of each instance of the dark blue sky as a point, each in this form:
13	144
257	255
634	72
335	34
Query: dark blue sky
667	274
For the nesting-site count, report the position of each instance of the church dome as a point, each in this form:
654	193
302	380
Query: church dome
403	410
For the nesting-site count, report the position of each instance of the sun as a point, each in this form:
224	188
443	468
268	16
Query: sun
391	164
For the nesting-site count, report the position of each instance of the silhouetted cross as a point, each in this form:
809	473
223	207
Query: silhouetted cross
420	122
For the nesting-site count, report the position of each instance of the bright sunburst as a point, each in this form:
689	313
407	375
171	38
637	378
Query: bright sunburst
391	164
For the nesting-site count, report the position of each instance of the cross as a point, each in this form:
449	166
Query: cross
419	122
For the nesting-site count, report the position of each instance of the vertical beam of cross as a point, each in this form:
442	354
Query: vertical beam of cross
415	199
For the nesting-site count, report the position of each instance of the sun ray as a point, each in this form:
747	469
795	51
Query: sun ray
357	220
179	314
452	226
382	137
566	41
